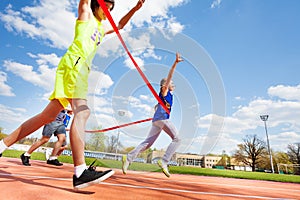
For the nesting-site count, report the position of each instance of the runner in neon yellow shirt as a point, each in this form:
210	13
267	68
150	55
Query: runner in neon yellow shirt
71	86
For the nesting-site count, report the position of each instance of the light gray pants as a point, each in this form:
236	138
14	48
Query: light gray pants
157	127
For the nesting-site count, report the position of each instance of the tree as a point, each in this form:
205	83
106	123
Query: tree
112	144
127	149
282	157
251	152
294	155
2	135
96	141
225	160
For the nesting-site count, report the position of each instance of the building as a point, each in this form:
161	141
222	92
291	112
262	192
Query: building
193	160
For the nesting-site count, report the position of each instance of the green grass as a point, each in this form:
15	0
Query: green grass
173	169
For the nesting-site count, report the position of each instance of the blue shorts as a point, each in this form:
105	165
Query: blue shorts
55	128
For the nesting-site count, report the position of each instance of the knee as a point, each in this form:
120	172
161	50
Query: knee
177	139
45	140
82	111
61	139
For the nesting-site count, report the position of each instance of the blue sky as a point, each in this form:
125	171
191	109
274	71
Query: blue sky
242	60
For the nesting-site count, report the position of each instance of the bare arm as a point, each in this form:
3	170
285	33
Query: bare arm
170	75
128	16
84	10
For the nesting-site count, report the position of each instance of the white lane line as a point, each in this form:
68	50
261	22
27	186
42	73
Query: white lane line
228	185
36	177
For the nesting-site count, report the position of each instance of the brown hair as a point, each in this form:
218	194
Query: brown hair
95	4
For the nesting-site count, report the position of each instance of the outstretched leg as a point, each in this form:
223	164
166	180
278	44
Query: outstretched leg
34	123
147	143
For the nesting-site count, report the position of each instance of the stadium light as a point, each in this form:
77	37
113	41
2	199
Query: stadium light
264	118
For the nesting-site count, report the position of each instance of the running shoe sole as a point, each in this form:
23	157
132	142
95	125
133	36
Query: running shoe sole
159	162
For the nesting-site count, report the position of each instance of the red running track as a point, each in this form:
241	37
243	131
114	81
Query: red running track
42	181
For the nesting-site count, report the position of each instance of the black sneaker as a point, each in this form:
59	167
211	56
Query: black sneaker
54	162
90	177
25	160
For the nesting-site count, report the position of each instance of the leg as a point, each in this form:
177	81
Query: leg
26	156
39	143
170	129
82	177
53	158
34	123
60	140
61	149
77	134
152	136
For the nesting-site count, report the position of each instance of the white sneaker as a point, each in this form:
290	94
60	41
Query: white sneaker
125	164
164	167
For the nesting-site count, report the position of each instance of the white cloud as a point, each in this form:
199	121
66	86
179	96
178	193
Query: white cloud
11	116
44	76
137	104
148	98
285	92
239	98
283	122
130	64
44	59
280	141
51	21
174	26
151	12
216	4
99	82
5	90
140	47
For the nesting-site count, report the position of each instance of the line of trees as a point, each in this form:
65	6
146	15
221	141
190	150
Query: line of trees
253	152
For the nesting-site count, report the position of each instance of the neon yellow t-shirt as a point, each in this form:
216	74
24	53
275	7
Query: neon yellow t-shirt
88	36
73	70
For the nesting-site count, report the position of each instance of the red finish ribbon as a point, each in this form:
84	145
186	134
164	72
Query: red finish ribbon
107	13
115	127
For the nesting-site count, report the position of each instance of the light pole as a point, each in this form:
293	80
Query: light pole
264	118
120	113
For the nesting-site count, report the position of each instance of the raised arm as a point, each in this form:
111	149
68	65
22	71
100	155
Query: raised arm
128	16
170	75
84	10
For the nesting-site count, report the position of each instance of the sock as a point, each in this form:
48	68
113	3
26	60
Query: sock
53	158
78	170
27	154
2	146
164	163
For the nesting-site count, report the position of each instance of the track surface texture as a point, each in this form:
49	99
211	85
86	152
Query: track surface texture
42	181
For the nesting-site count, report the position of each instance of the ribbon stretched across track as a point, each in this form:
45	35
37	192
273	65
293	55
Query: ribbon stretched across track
115	127
107	13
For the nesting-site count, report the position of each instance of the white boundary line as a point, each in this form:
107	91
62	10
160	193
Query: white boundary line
225	184
39	177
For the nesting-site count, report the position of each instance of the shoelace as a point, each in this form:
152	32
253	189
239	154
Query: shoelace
91	167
